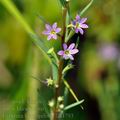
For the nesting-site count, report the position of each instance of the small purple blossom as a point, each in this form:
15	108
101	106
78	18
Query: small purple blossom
108	52
79	24
51	31
68	52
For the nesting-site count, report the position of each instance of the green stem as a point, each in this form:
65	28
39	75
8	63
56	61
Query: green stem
64	24
60	68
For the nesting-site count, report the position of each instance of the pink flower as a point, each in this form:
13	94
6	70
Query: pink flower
68	52
51	31
79	24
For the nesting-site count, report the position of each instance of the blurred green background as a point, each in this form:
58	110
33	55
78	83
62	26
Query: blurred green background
95	79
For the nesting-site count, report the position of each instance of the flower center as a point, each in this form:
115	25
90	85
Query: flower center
53	32
77	25
67	52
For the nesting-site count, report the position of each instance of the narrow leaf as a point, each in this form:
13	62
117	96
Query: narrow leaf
54	61
70	89
86	8
68	67
52	52
62	2
41	45
73	105
49	53
66	93
42	19
68	18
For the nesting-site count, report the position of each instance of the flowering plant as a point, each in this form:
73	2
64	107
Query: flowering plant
67	52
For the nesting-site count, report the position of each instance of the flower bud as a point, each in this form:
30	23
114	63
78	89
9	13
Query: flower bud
60	98
51	103
61	106
50	82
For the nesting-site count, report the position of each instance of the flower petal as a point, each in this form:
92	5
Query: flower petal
83	20
71	46
54	36
65	56
81	31
74	51
49	37
46	32
76	30
64	46
84	26
54	25
71	57
73	23
61	52
58	30
77	17
48	27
